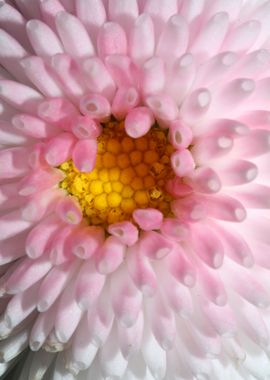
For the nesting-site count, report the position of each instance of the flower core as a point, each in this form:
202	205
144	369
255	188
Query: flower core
129	174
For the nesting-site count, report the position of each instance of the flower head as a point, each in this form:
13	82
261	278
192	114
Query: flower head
134	196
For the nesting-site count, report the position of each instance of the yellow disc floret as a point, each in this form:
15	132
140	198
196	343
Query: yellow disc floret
129	174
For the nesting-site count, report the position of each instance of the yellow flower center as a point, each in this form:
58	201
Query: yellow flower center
129	174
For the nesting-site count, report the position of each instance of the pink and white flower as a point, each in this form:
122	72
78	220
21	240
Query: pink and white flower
181	296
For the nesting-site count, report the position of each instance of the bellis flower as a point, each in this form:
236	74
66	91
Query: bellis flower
135	189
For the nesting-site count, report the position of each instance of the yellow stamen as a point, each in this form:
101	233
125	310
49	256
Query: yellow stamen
129	174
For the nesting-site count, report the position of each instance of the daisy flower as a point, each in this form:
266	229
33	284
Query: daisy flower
135	189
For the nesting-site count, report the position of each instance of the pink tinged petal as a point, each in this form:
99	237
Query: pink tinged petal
82	352
40	204
54	283
126	298
252	322
59	148
41	329
39	180
225	208
19	96
178	188
154	355
126	232
174	229
192	8
69	211
189	209
215	68
180	135
182	162
84	155
255	64
33	126
68	314
207	245
36	157
58	110
232	7
154	246
92	14
9	198
68	5
124	72
96	106
244	283
173	41
126	98
84	127
60	251
160	10
141	272
181	268
111	40
88	286
255	196
196	105
233	95
41	76
27	274
123	12
148	219
212	286
13	22
110	255
243	37
163	107
11	136
255	144
99	80
44	41
49	10
178	297
142	39
205	180
222	319
238	172
39	238
226	127
210	39
111	359
130	338
86	241
181	78
14	162
237	248
11	249
12	224
100	319
207	341
28	9
162	322
69	75
139	121
153	76
74	36
212	147
21	306
10	54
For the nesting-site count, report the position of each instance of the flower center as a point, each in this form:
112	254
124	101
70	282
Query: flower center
129	174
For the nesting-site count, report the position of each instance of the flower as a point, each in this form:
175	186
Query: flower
134	197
